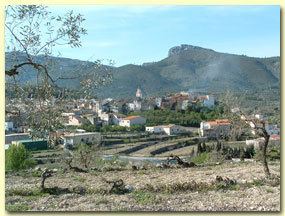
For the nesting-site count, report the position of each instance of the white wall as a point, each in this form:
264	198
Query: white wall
176	129
135	121
124	123
82	138
9	126
209	102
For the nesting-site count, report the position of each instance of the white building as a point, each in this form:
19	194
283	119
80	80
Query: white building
135	106
235	110
132	120
139	93
170	129
74	120
9	126
216	128
91	118
115	119
257	143
105	117
259	116
131	106
209	101
74	139
185	104
67	114
158	102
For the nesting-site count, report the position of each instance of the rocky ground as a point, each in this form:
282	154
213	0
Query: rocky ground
154	189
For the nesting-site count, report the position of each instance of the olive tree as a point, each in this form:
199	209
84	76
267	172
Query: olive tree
242	122
32	33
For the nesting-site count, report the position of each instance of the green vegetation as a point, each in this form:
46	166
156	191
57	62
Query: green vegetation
17	157
117	128
112	164
84	154
17	207
90	127
189	186
266	101
102	200
201	158
145	198
273	153
258	182
32	192
79	178
191	117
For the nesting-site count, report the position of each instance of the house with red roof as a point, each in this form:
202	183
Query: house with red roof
132	120
215	129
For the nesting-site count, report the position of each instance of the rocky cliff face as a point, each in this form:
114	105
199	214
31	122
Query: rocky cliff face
185	48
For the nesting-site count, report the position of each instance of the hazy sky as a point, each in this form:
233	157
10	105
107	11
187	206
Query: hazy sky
137	34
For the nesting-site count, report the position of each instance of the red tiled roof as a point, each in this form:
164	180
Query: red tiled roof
131	117
275	137
219	122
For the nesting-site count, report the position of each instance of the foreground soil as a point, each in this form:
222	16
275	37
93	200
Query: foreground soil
23	194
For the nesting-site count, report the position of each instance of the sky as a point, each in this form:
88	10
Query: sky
138	34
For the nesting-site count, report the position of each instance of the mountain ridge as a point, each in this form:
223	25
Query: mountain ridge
185	67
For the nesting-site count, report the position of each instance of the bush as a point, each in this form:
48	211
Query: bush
273	154
17	208
201	158
145	198
84	154
17	157
258	155
249	152
137	128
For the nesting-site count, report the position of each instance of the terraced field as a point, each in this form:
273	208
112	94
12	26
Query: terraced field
147	151
186	151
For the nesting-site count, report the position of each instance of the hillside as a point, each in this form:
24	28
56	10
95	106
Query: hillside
185	67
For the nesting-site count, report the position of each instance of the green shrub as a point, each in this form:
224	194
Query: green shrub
274	154
17	208
258	155
25	192
144	198
201	158
84	154
17	157
126	140
258	182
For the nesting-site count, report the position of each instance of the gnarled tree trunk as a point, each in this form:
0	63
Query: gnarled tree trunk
264	156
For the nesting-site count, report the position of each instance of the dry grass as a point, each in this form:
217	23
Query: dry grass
179	194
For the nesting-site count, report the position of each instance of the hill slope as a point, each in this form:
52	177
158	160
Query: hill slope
185	67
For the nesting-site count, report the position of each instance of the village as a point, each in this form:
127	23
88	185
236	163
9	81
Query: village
117	116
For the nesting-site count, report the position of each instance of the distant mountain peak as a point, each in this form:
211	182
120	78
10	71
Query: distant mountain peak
187	66
185	47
